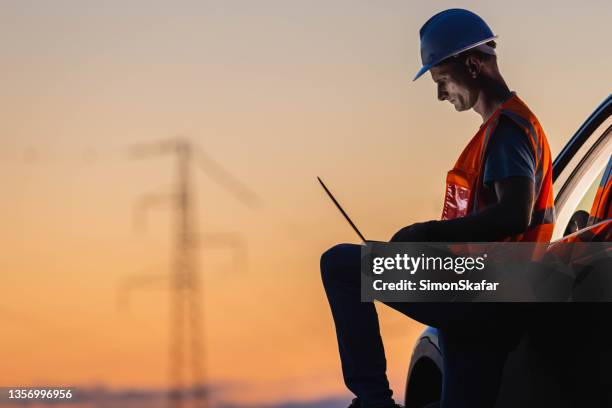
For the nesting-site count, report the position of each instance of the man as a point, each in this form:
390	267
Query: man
500	189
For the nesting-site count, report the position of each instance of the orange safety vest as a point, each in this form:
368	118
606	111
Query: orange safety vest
464	183
602	206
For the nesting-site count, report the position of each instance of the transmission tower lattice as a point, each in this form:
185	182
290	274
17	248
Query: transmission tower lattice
186	316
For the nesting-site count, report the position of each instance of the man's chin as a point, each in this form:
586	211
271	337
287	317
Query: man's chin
459	108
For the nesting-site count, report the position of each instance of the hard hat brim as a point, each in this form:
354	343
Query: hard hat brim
423	70
427	67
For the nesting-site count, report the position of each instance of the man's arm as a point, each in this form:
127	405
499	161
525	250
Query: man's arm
510	171
511	215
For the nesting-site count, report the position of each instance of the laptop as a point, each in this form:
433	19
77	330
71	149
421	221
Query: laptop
339	207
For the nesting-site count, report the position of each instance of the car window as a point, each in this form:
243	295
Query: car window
576	185
580	214
587	201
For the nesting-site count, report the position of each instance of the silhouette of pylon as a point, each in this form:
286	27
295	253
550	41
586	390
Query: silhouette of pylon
186	346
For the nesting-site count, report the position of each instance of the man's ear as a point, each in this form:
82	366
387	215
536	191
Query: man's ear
473	66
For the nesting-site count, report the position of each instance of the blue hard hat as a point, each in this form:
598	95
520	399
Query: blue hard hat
449	33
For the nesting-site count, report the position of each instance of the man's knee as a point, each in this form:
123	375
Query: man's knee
338	258
329	260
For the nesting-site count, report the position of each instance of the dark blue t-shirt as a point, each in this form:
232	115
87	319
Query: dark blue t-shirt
509	153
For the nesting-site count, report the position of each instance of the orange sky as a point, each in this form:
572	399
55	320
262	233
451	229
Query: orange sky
278	92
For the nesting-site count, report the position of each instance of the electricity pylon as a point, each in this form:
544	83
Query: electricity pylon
186	320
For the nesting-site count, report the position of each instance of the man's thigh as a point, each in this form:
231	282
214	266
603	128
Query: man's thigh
342	264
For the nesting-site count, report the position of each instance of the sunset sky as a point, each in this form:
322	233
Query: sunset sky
278	92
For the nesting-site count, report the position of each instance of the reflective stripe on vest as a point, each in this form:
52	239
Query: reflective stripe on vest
464	185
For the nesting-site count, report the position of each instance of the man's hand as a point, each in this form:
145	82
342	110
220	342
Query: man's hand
509	216
419	232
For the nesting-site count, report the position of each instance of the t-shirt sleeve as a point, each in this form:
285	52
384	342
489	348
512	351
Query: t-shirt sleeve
510	153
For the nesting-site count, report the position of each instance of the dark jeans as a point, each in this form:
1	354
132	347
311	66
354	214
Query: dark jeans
475	339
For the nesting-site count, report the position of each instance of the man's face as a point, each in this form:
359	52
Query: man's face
455	85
